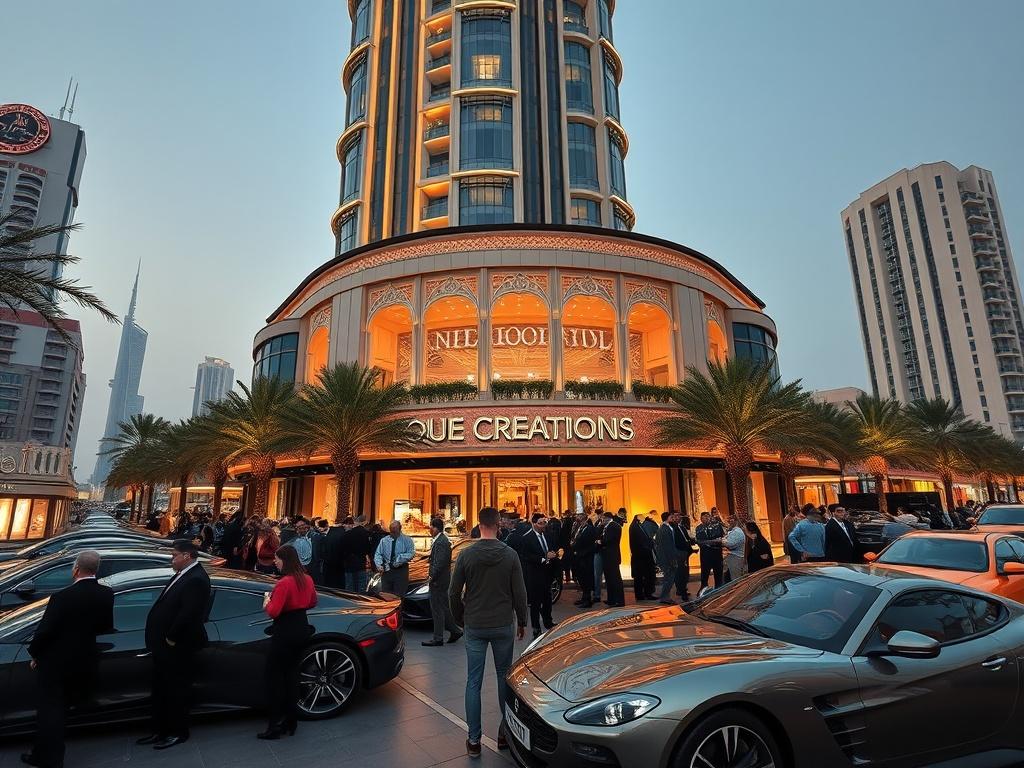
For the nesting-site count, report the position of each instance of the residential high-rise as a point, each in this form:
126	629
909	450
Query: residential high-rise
937	292
214	379
481	113
125	400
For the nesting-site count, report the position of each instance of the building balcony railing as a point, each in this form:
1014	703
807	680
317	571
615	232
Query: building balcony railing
980	232
437	131
436	208
1008	369
440	94
437	169
576	26
972	198
439	61
439	37
436	6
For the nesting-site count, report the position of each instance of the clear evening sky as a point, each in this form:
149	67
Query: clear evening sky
211	126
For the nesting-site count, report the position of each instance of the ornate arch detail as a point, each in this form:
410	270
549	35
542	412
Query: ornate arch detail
390	294
452	285
712	313
519	282
587	285
321	319
647	293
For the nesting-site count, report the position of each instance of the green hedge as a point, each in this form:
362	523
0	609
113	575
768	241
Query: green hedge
443	392
652	393
522	389
594	390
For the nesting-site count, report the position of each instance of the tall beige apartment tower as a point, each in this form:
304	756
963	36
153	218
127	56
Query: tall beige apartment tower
937	292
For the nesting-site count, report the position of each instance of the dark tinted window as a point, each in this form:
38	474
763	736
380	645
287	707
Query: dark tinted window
53	579
351	170
938	614
936	552
812	611
361	22
1005	554
111	566
486	138
357	93
348	231
578	90
1002	516
984	613
276	358
618	171
582	156
229	603
132	608
485	200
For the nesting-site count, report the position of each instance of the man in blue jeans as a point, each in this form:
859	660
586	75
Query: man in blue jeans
487	591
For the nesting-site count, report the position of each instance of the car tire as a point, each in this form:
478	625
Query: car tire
330	676
716	740
556	589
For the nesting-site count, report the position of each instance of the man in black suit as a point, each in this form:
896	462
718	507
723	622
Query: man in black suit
539	558
174	635
841	538
641	552
611	558
583	545
64	655
439	579
334	556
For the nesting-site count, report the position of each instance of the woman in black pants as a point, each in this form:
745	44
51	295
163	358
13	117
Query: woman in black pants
287	604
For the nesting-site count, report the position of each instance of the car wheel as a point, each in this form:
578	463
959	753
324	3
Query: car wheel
329	676
730	738
556	589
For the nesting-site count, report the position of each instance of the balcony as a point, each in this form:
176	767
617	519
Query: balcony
1004	349
439	42
439	70
442	93
972	198
974	216
437	131
436	6
437	167
436	209
980	232
1010	369
576	25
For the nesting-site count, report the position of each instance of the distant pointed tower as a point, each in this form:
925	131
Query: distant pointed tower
125	400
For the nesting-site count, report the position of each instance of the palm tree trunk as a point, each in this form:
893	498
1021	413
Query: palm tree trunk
990	487
346	467
880	485
150	489
262	472
947	487
136	511
218	492
737	465
182	493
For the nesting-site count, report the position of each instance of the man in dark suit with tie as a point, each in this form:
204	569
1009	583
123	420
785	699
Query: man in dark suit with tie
841	538
439	579
64	655
174	635
583	545
538	556
611	557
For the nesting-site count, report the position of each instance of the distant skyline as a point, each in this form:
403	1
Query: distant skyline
211	131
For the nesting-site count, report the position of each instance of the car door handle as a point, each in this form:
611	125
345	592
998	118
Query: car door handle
144	654
994	663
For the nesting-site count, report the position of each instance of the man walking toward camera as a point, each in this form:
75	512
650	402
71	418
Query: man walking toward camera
487	591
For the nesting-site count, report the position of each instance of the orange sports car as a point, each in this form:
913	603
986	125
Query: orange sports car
985	560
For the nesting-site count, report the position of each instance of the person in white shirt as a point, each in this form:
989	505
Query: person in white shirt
734	545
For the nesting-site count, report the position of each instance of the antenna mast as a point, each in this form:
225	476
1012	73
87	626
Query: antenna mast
66	97
74	96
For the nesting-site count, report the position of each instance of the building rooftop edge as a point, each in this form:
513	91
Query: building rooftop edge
853	202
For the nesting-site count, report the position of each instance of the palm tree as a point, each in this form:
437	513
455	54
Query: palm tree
948	437
346	412
840	437
212	452
993	455
888	439
27	278
252	427
127	447
740	408
179	456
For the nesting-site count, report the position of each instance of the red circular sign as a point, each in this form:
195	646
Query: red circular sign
23	129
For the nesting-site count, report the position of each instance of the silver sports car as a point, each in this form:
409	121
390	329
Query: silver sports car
808	666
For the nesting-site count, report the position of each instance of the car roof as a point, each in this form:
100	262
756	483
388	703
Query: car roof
980	535
145	577
878	576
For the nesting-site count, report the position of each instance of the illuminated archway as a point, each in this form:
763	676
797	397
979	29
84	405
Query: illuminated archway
317	351
650	353
450	340
588	340
390	344
718	345
520	337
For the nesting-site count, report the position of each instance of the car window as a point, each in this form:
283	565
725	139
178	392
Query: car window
805	609
1004	554
1017	545
52	579
985	614
230	603
20	624
1002	516
937	552
117	565
935	613
132	608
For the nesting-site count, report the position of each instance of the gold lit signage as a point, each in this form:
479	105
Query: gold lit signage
520	336
524	429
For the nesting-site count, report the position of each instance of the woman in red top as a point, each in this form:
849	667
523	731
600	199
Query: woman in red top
266	545
287	604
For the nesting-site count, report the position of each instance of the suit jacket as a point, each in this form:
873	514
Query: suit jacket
66	636
640	544
584	544
611	535
440	569
536	569
554	531
840	545
668	555
179	613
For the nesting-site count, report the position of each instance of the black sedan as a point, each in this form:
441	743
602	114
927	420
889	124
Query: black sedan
357	645
416	603
85	539
876	531
25	581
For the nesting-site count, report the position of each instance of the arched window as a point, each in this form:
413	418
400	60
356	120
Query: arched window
486	200
650	353
578	89
486	49
316	354
520	337
390	349
588	340
718	345
617	170
450	338
582	156
361	22
351	170
485	140
357	93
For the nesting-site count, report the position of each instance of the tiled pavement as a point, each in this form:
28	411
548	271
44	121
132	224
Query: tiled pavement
407	723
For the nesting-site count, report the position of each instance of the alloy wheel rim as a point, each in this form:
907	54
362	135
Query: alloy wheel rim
327	677
732	746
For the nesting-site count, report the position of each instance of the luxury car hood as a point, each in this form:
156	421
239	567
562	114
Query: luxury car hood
619	651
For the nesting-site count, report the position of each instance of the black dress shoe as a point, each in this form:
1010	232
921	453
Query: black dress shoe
273	733
432	643
170	741
455	637
536	634
153	738
29	759
551	625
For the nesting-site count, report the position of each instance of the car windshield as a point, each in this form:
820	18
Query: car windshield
1002	516
937	552
807	609
13	624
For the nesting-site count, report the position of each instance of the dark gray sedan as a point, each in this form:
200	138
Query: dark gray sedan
807	666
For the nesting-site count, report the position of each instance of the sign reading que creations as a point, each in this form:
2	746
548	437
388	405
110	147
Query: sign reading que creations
525	429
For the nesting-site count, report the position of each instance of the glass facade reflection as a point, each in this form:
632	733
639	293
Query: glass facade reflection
348	232
351	170
275	358
486	200
360	22
611	89
582	156
616	166
585	211
486	134
486	49
357	93
578	89
755	343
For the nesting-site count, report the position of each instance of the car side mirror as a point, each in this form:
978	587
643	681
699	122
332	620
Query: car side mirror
913	645
25	589
870	557
1012	568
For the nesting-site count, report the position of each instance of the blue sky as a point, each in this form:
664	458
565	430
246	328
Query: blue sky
211	127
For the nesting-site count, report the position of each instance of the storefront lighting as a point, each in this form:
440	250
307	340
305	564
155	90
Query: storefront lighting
496	376
471	378
584	379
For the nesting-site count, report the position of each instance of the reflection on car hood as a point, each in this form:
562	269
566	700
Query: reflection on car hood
624	650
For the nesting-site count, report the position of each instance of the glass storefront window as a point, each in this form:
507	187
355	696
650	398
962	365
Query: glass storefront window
6	508
588	340
37	521
486	49
520	338
578	90
19	526
485	140
391	343
650	354
450	339
486	200
276	358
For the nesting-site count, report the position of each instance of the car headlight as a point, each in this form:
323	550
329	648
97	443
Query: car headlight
613	710
422	589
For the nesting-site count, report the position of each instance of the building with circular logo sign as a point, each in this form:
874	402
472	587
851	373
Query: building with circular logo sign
23	129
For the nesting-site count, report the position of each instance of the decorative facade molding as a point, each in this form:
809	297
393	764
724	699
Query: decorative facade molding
519	282
452	285
712	312
649	293
587	285
390	294
321	319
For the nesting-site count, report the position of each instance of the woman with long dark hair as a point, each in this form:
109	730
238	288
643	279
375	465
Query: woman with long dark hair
287	604
759	553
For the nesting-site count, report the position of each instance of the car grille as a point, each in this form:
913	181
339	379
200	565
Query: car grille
542	735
